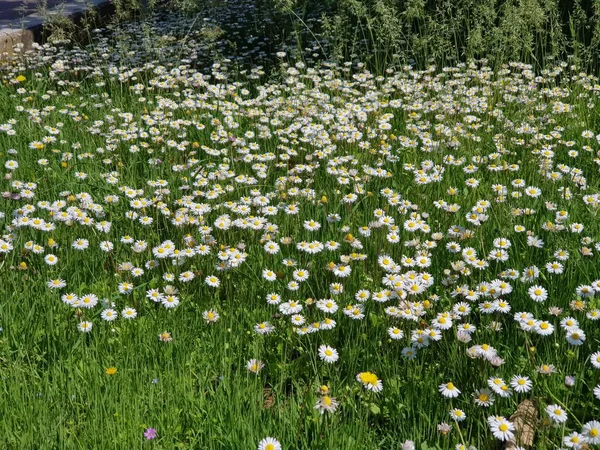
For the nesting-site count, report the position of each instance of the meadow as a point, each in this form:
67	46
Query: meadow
314	256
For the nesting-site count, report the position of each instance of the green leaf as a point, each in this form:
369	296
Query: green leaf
153	283
374	319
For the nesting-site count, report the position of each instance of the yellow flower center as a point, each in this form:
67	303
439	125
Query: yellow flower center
368	378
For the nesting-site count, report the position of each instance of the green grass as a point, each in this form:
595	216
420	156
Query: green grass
195	390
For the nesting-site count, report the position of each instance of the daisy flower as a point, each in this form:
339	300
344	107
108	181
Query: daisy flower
591	432
51	260
548	369
448	390
538	293
458	414
109	315
269	443
326	404
85	326
556	413
595	360
328	354
395	333
342	271
575	337
484	398
269	275
521	384
255	365
300	275
210	316
311	225
170	301
81	244
574	440
212	281
56	284
129	313
501	428
264	328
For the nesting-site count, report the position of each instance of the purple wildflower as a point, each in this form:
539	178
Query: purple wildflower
150	434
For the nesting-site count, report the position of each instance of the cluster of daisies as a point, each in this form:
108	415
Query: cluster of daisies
446	208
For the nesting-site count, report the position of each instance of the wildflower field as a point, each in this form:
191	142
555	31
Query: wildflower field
217	256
